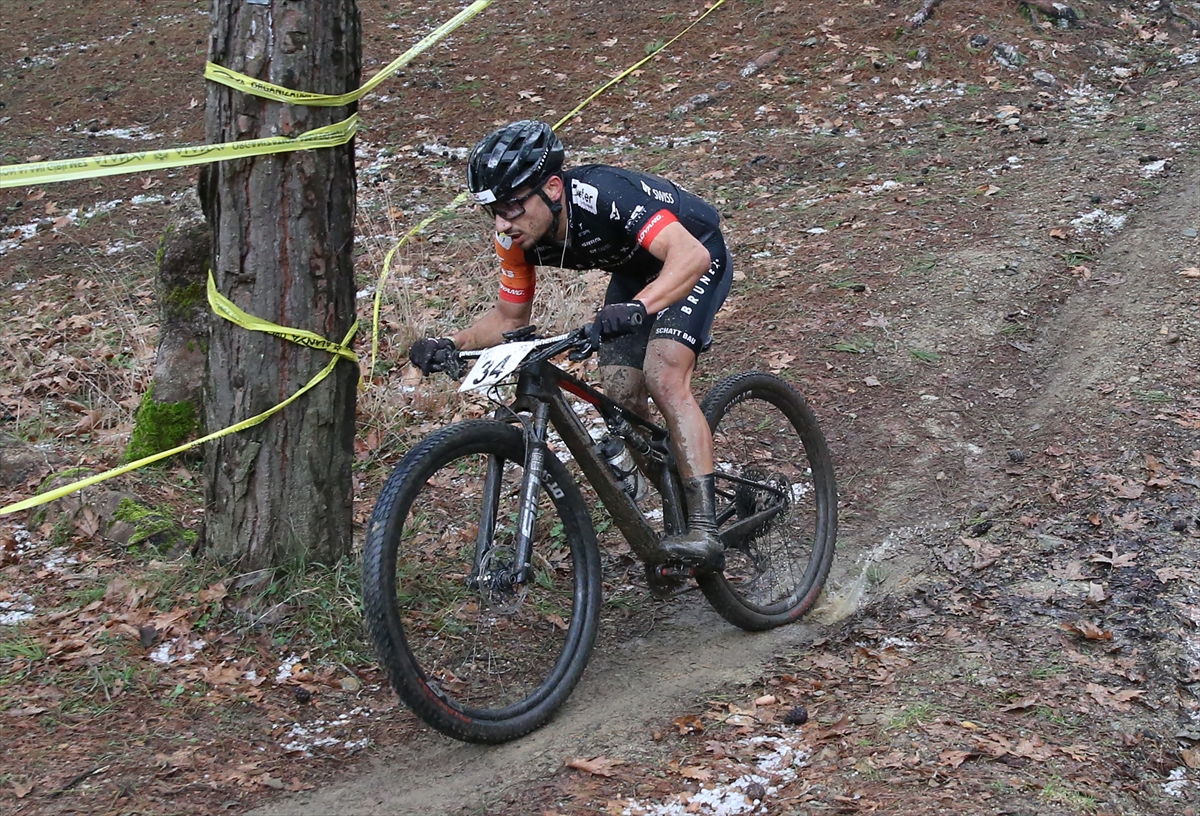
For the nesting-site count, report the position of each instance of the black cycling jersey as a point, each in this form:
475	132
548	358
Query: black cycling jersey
613	214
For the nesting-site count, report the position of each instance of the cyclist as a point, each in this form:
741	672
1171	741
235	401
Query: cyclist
670	271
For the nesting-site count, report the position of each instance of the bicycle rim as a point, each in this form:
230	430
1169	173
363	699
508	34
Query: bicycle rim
476	657
771	464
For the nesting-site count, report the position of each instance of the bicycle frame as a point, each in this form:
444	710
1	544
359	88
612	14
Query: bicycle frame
539	392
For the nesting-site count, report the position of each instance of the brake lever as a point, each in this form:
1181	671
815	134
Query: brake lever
581	353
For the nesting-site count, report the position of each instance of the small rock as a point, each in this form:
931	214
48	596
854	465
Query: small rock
923	54
797	716
1016	455
810	42
978	41
1044	78
1188	232
1039	139
755	792
148	636
1008	55
302	694
351	683
980	529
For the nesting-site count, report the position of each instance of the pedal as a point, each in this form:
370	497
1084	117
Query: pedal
668	580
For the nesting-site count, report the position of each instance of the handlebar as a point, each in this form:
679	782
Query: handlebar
579	343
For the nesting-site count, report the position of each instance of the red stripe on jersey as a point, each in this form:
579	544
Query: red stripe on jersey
654	226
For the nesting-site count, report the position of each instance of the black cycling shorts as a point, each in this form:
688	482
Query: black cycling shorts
687	321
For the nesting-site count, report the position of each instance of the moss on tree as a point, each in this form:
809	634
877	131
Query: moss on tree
160	426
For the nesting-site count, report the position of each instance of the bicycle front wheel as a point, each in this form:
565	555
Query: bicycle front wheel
475	656
776	502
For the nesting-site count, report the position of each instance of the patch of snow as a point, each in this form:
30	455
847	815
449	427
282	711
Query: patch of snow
1153	168
16	611
1099	221
285	668
1176	783
58	559
304	737
177	650
774	764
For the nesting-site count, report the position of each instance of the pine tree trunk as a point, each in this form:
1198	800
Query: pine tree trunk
283	235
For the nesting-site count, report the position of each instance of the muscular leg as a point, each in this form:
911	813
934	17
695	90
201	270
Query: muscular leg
669	366
627	386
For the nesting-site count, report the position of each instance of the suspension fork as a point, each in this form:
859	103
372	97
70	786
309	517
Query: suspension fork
535	465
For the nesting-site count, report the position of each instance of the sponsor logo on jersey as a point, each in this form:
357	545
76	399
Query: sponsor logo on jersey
504	240
593	241
637	213
651	229
615	215
658	195
584	195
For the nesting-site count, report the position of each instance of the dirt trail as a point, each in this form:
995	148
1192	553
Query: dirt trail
623	691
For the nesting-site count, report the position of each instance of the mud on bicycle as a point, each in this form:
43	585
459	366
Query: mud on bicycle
481	567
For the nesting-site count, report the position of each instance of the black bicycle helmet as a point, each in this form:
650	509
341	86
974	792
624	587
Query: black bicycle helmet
523	154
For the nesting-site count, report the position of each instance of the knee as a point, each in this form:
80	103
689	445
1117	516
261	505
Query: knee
668	383
627	386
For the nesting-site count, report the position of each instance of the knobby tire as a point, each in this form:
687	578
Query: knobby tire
483	664
764	432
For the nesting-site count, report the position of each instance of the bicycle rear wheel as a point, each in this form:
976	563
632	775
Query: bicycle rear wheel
776	502
475	657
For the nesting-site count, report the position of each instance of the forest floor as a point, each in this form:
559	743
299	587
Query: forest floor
972	244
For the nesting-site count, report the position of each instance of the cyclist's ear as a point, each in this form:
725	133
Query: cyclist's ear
554	188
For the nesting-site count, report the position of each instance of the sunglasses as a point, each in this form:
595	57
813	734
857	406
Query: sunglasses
511	209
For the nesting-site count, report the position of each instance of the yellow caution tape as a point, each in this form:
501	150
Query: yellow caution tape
226	309
258	87
387	260
13	175
635	66
387	270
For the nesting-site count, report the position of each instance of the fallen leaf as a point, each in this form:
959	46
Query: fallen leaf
21	788
695	772
1058	233
1096	594
1168	574
954	758
871	382
597	766
689	724
1023	704
1088	629
1112	698
1190	272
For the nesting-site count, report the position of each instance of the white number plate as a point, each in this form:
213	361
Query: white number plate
497	363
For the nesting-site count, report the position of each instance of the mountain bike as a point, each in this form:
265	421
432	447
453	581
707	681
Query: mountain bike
481	567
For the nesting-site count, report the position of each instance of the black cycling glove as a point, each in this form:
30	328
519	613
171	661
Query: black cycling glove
616	319
431	353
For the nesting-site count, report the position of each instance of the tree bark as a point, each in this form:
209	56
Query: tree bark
283	234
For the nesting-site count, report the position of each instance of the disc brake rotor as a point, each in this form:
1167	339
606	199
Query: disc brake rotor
496	587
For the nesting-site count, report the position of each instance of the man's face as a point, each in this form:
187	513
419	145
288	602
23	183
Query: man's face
532	225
